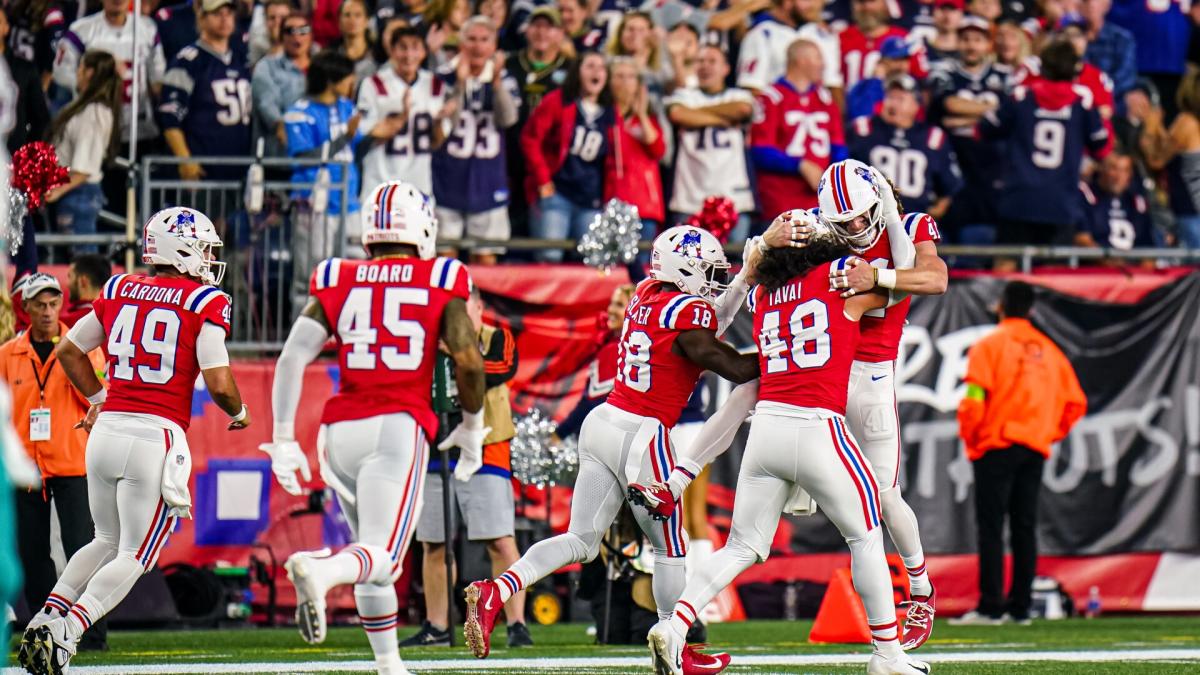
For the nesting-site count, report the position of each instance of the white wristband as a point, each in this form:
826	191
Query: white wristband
240	416
885	278
98	397
473	420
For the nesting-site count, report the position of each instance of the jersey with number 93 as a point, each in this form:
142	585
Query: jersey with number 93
152	324
653	380
805	342
386	317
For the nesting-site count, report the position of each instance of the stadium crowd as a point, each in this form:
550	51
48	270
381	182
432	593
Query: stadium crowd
1011	121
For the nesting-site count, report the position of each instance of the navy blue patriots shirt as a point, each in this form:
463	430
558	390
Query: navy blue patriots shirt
207	96
1117	221
581	176
469	170
177	29
919	160
1046	127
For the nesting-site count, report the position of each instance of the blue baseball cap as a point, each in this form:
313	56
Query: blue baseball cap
895	48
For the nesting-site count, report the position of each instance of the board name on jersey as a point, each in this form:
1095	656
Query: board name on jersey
172	296
789	293
384	274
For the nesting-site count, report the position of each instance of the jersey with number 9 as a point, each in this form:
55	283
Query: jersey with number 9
653	380
805	342
386	317
152	324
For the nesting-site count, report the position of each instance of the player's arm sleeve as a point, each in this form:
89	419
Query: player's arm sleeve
728	303
718	431
70	48
87	333
303	345
500	359
753	58
210	347
218	312
177	93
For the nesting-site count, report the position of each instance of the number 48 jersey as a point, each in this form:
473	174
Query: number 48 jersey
652	380
386	317
152	324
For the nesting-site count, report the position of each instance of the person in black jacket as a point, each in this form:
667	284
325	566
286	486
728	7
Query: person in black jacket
32	113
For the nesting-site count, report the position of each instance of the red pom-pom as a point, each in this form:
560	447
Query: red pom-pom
718	216
35	170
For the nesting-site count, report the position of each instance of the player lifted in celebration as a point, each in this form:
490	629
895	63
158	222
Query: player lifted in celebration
669	338
807	336
387	314
160	333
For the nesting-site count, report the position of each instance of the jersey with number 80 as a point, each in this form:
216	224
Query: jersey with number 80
805	343
386	317
151	324
653	380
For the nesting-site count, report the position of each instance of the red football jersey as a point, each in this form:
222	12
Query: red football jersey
805	342
652	380
881	328
804	125
152	324
860	54
386	317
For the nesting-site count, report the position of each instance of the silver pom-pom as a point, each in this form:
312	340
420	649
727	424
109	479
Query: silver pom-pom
18	206
564	461
612	237
536	459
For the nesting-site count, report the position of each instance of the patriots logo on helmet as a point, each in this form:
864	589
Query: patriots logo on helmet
689	245
184	224
865	174
821	184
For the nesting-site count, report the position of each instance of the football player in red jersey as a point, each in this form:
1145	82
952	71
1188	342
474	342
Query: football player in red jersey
160	332
387	315
668	339
807	335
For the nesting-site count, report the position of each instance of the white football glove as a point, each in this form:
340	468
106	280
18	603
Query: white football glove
468	438
887	199
286	459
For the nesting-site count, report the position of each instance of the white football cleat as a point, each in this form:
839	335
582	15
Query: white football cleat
666	646
25	650
901	664
310	598
53	648
391	666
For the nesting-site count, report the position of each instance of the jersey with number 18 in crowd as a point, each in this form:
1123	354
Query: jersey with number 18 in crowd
386	314
152	324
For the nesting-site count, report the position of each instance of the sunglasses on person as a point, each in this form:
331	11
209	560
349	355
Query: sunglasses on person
292	31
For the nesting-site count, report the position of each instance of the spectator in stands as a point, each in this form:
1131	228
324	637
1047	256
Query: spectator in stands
1141	132
640	146
947	15
1109	47
402	117
566	143
683	45
762	55
865	97
1014	45
485	502
817	30
206	99
46	410
1046	128
270	42
916	157
354	39
1117	214
470	176
85	134
324	15
538	69
1022	396
861	41
1073	28
636	37
1160	33
585	34
278	82
31	114
85	279
795	107
35	29
446	20
1182	161
711	122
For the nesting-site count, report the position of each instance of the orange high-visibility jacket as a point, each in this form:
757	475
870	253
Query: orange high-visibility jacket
63	454
1032	397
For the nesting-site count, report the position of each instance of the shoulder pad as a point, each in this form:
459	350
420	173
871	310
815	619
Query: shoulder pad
669	316
327	273
110	287
444	273
199	298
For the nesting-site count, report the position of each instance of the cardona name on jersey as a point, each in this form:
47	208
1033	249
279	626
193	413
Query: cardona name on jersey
194	301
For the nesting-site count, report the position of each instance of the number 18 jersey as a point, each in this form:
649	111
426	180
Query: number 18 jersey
652	380
386	316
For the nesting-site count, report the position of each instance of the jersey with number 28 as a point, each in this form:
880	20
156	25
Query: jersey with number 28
386	316
152	324
653	380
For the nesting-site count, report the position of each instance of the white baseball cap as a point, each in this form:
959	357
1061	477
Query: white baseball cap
36	283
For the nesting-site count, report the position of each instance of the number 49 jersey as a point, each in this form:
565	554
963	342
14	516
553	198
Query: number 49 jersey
151	324
652	380
386	317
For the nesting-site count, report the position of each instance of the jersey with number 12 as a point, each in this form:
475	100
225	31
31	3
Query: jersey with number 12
386	316
652	379
152	324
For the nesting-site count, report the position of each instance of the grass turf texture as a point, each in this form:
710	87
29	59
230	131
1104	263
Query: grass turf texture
754	638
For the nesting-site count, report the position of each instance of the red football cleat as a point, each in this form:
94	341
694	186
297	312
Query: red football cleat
655	498
918	626
696	662
483	606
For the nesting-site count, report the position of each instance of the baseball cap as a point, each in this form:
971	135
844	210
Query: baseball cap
213	5
894	48
548	13
973	22
956	4
1071	20
902	81
36	283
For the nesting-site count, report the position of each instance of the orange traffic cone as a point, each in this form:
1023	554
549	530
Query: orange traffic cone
841	617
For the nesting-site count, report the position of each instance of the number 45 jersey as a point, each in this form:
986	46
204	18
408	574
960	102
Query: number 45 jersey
653	380
386	317
151	324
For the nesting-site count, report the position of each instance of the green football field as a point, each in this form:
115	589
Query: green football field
1105	645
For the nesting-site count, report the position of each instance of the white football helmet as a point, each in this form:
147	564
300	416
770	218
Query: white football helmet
185	239
690	258
849	189
398	213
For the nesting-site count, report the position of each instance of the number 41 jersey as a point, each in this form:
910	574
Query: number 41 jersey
151	324
652	380
386	317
